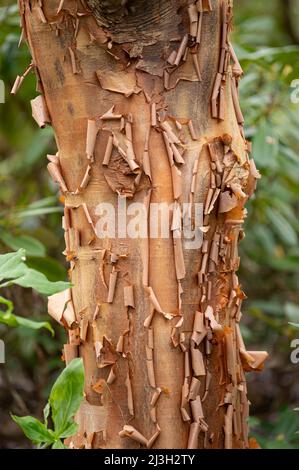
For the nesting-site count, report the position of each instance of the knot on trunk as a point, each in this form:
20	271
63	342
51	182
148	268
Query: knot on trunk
137	20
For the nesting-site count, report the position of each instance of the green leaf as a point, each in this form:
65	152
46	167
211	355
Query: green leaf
8	303
32	246
46	413
294	325
38	212
34	429
12	265
66	395
15	271
51	268
40	283
70	430
8	318
64	401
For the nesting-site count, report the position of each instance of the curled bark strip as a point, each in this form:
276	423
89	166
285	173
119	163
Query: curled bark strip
253	360
125	147
132	433
207	385
119	82
176	182
196	409
108	151
194	388
40	111
110	115
198	324
213	200
193	19
120	345
112	285
181	50
237	69
199	27
228	427
193	436
209	314
236	103
230	355
111	377
129	296
184	401
55	172
176	154
168	149
130	395
172	138
41	14
156	304
227	202
146	157
60	6
150	338
192	130
19	80
60	307
153	115
84	323
151	372
88	216
148	320
179	256
53	159
197	362
153	414
86	178
197	68
73	61
101	267
154	437
156	396
187	367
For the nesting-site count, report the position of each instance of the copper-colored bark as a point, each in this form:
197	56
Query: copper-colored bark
144	103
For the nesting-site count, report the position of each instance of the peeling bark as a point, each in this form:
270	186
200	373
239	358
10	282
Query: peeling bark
143	99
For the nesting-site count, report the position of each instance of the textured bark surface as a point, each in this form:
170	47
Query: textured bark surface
156	324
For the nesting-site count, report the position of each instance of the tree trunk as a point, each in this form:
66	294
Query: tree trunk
143	99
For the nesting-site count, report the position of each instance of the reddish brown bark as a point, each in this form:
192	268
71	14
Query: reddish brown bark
156	324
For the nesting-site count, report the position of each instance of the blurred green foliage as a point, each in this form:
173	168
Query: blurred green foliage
29	209
267	42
